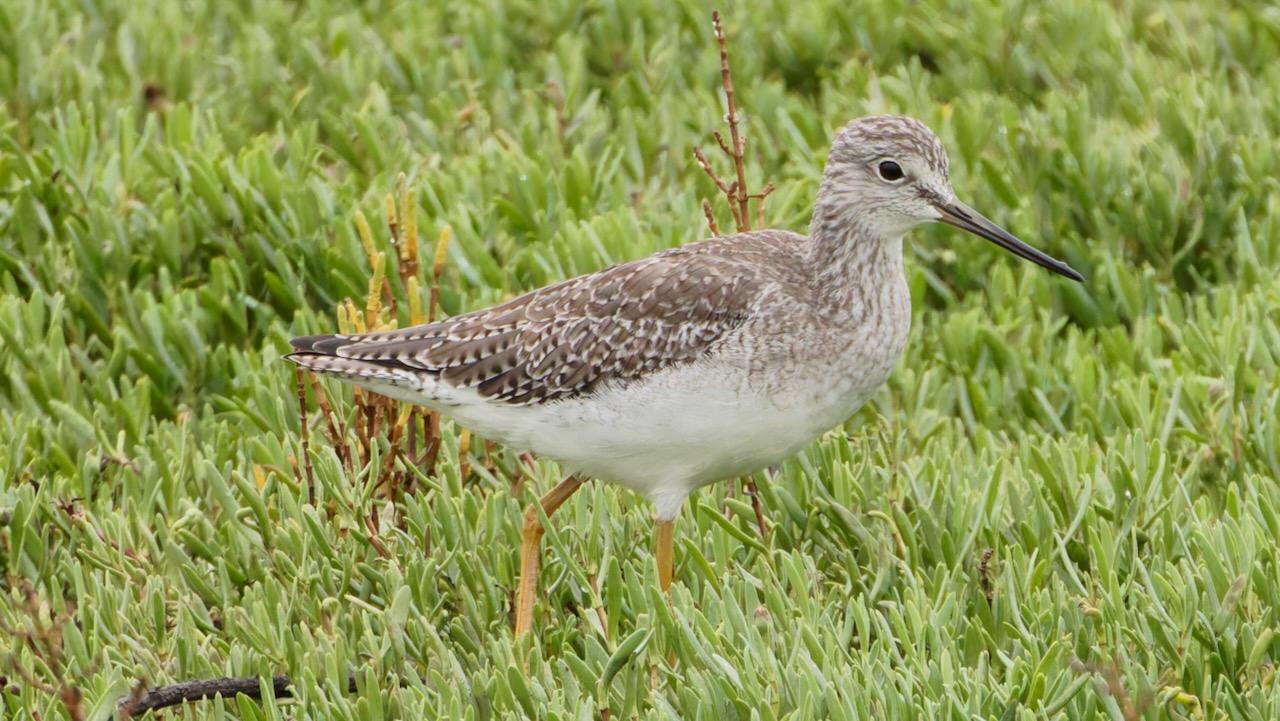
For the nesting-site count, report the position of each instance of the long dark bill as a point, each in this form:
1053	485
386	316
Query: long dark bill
962	216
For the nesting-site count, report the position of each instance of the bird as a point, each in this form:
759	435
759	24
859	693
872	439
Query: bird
697	364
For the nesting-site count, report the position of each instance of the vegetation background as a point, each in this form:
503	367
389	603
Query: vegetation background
1063	506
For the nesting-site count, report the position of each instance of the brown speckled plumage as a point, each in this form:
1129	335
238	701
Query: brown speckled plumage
566	339
698	363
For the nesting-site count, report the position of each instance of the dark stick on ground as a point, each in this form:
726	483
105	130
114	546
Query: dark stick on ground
229	687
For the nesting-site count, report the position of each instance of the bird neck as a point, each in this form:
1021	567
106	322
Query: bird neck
852	263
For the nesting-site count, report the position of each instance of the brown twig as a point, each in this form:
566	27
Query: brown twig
524	469
726	189
702	161
388	463
335	430
711	217
736	192
490	465
739	140
365	432
752	492
371	525
759	198
433	432
464	455
724	147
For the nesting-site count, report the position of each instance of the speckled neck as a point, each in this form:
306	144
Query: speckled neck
853	268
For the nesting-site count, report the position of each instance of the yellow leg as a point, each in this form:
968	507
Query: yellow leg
665	553
530	547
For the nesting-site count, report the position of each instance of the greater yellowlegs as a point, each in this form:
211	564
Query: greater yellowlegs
696	364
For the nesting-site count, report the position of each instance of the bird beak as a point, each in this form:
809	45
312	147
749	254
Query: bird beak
962	216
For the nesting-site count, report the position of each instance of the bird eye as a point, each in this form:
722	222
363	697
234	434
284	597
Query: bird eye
891	171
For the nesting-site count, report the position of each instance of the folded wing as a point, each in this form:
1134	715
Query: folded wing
565	340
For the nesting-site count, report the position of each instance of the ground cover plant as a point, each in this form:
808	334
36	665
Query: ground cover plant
1063	505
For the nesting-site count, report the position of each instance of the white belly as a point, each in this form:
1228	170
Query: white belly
734	412
681	428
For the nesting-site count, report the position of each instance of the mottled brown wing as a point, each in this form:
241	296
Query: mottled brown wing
566	339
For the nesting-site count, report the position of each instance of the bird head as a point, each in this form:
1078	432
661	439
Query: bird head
889	174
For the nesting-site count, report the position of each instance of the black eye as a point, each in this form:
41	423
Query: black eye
890	171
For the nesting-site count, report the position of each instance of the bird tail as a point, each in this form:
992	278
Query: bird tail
322	354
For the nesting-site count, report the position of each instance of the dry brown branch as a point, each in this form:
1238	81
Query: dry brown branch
702	161
524	469
388	463
490	465
335	430
464	454
371	525
759	198
735	147
711	217
753	492
739	140
724	147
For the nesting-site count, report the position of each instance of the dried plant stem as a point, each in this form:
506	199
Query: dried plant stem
736	193
702	161
739	140
464	454
753	492
371	524
711	217
335	430
764	193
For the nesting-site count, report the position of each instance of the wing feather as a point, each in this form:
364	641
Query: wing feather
567	339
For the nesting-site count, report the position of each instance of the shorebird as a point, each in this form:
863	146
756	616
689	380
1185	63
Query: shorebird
697	364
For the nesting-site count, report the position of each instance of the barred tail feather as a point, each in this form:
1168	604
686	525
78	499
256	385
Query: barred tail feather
395	382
